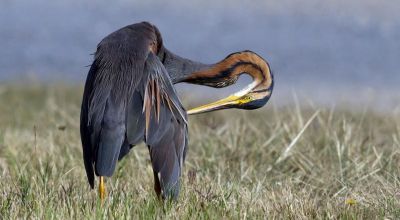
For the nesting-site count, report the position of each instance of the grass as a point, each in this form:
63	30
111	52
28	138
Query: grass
278	162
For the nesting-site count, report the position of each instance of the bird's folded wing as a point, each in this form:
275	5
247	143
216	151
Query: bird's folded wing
103	113
85	129
157	114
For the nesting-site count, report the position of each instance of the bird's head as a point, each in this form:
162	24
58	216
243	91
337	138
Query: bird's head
254	96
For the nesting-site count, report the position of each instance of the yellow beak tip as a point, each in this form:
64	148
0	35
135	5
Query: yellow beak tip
230	100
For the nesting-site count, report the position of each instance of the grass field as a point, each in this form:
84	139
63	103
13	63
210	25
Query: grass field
279	162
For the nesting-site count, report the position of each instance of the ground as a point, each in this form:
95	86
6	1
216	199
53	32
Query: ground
290	162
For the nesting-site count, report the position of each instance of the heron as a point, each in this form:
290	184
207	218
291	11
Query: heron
129	98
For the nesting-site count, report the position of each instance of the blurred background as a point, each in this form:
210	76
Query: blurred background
321	52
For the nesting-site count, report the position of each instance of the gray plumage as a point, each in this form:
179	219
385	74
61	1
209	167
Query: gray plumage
129	98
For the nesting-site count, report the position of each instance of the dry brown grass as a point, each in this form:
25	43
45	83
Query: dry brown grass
241	164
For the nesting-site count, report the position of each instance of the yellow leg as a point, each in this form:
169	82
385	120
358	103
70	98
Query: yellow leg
102	189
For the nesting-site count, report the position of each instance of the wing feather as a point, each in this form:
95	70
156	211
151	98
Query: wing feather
114	79
164	126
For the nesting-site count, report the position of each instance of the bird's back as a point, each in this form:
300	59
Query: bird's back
114	75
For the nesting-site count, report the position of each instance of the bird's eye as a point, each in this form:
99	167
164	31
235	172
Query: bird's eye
246	99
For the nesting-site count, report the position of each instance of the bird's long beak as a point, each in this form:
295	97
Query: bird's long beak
217	105
231	101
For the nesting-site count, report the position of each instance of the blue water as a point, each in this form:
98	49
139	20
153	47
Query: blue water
322	48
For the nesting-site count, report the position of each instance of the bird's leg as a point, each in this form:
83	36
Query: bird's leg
102	189
157	186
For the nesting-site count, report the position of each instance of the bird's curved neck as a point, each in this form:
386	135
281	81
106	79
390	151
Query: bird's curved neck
179	68
228	70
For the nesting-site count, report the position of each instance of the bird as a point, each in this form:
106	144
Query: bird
129	98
